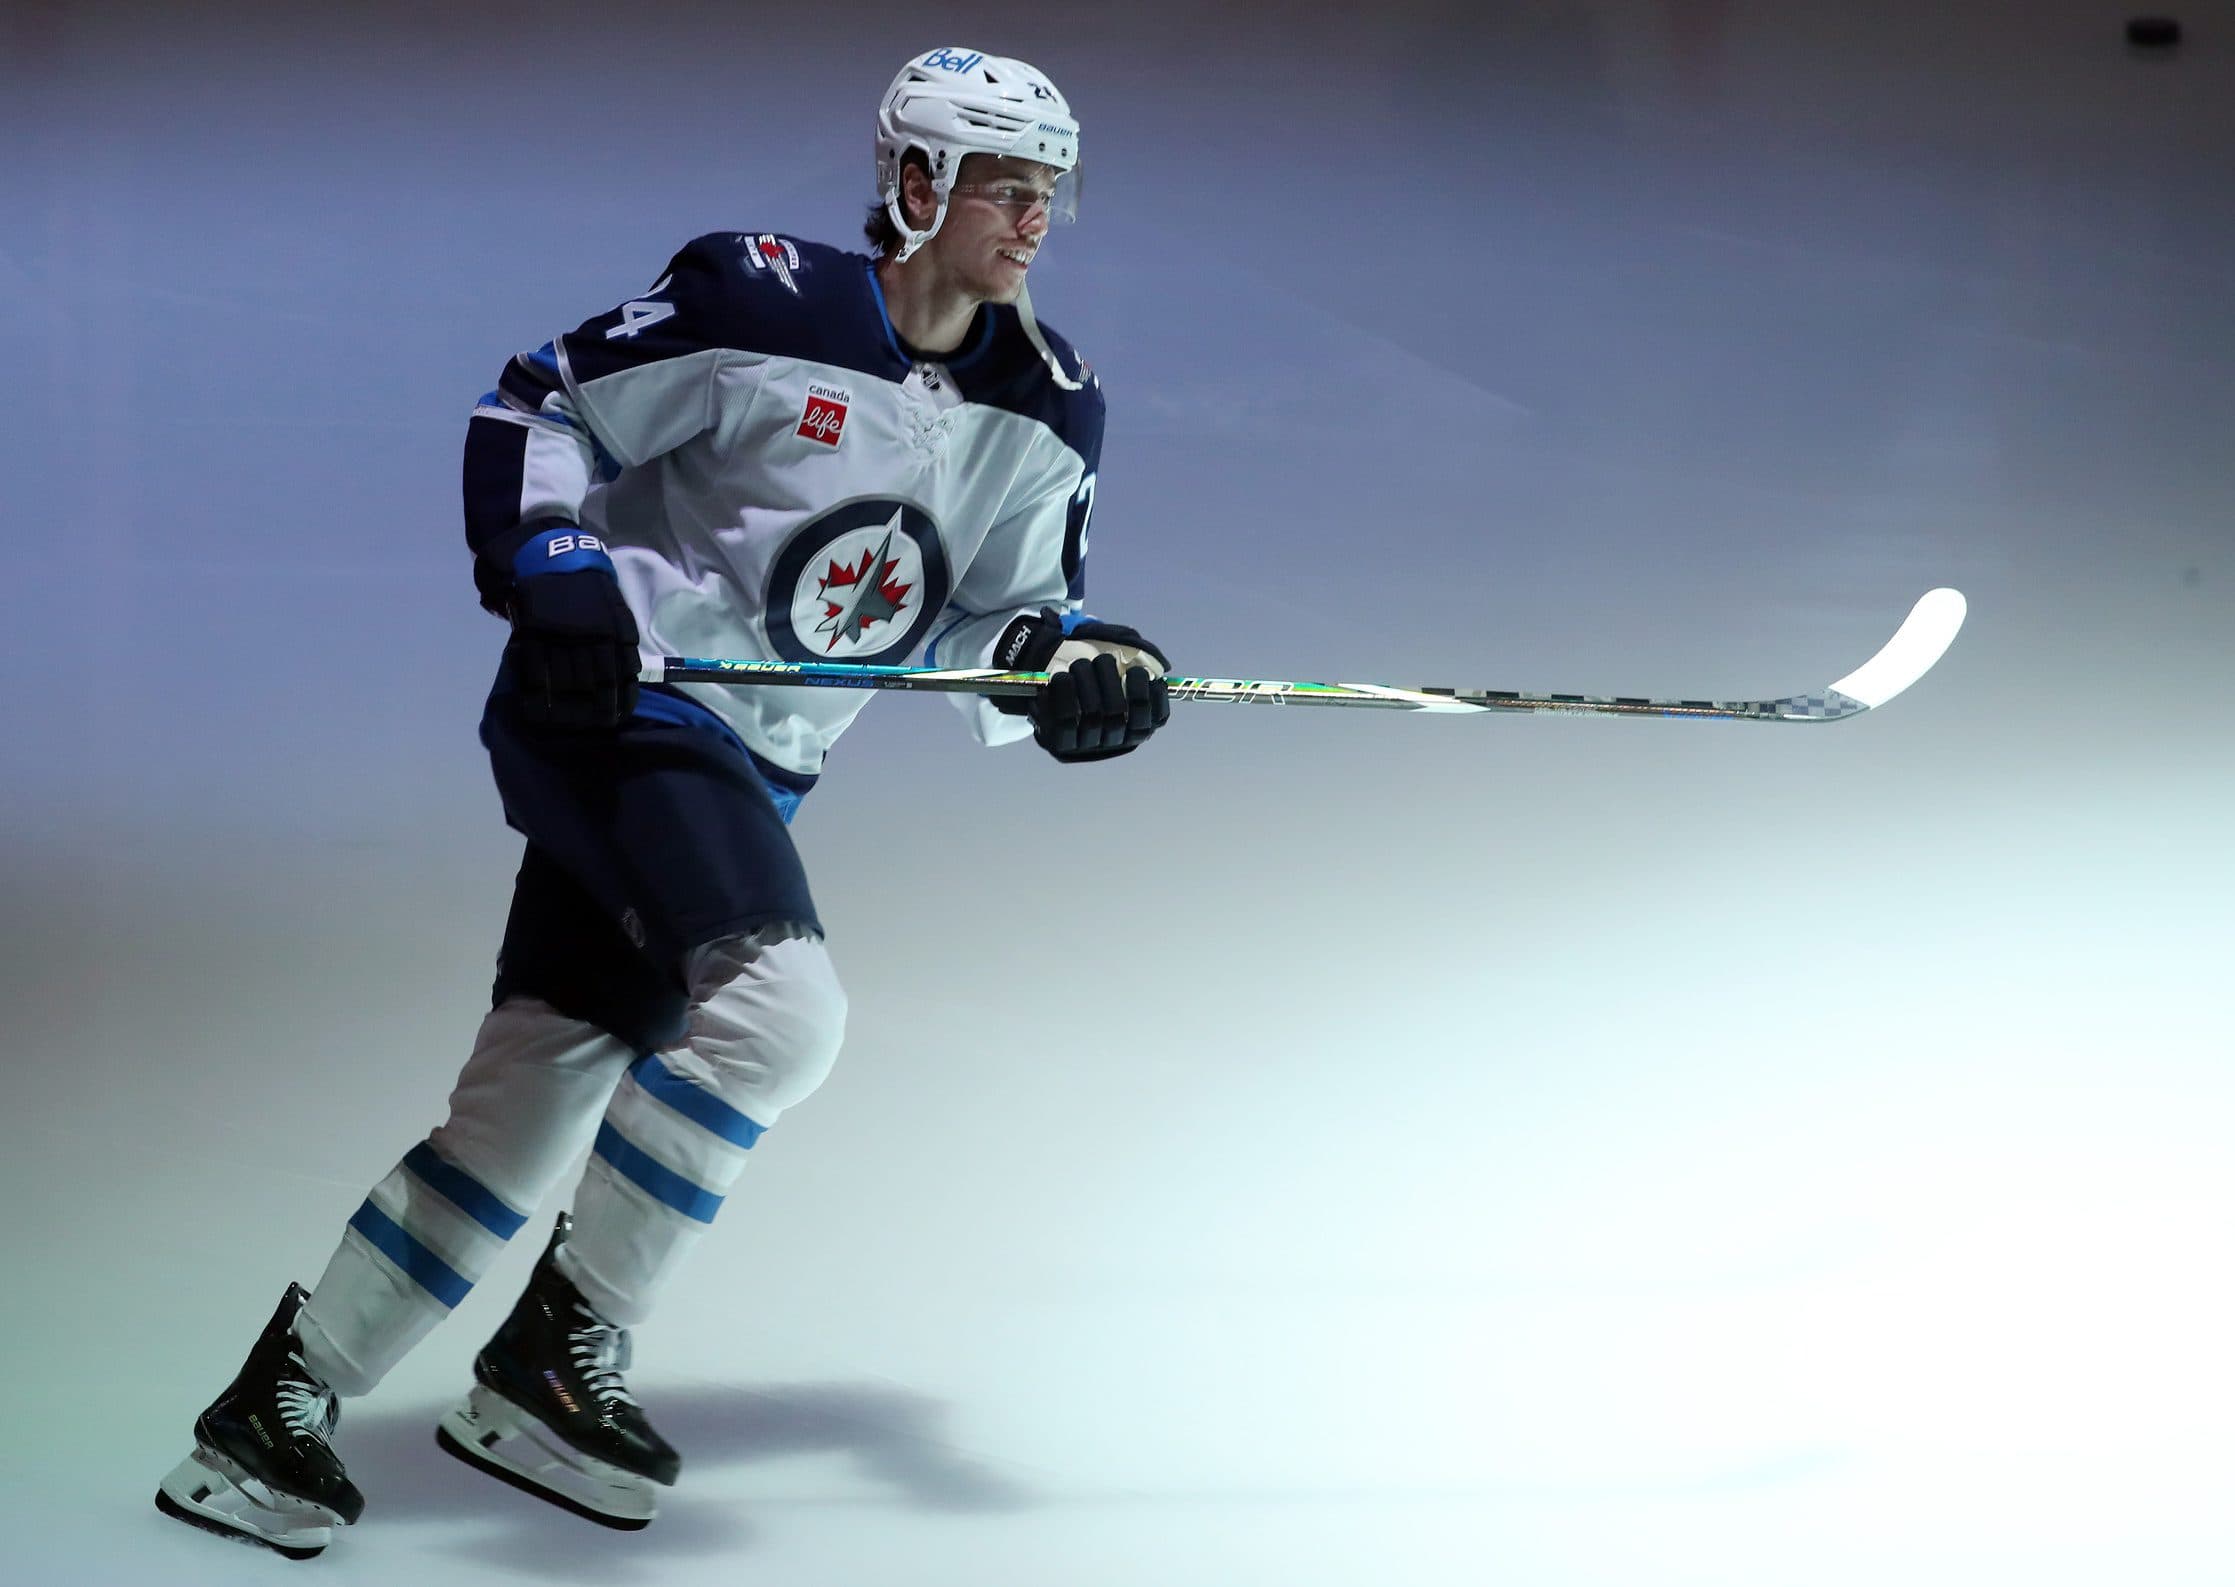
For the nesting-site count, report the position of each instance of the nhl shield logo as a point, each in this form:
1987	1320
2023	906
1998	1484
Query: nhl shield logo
862	583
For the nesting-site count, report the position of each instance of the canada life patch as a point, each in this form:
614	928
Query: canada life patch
824	418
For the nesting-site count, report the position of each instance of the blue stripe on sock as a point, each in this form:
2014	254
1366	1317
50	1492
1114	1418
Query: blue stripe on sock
429	1271
696	1103
468	1194
657	1180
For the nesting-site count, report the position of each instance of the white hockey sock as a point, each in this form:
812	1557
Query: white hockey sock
767	1016
523	1108
666	1155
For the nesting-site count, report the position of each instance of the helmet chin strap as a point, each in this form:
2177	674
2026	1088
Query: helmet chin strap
1032	334
911	239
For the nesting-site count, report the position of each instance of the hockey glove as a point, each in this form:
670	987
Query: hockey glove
573	654
1105	692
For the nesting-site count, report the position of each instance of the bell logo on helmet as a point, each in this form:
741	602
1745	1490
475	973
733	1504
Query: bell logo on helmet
951	60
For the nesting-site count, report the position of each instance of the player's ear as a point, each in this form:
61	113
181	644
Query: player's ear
917	200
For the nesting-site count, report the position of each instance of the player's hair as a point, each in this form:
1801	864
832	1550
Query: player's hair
883	235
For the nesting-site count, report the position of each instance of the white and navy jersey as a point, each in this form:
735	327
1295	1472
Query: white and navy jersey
778	476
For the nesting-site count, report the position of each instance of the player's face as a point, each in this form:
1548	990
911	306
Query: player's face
997	218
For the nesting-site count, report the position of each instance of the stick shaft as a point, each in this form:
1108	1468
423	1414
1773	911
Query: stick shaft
1219	691
1917	644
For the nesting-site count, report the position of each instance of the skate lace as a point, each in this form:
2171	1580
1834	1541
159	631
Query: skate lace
600	1350
306	1406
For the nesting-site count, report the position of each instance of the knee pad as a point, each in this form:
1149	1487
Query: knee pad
766	1020
767	1015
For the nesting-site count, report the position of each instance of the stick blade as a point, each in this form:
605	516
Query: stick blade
1922	639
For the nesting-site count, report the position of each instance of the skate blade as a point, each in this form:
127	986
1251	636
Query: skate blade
209	1491
490	1432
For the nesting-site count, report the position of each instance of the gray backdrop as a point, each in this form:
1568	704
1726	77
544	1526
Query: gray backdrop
1531	1150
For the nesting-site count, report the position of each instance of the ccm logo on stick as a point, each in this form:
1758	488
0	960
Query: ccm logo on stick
824	418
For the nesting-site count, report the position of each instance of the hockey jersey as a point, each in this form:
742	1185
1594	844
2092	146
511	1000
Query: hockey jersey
778	476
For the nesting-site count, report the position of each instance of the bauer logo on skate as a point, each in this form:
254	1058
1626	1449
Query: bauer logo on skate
824	417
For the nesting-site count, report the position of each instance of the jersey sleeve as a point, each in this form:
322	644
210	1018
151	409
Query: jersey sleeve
1033	559
620	390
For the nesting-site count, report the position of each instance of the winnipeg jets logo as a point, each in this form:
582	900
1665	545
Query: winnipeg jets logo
854	596
861	583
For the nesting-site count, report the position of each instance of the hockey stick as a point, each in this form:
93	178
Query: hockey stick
1922	638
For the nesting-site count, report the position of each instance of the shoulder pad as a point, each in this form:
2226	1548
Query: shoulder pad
763	258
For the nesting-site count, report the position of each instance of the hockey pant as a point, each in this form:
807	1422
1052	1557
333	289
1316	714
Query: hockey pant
668	1132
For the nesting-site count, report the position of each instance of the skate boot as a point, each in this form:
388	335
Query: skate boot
262	1469
548	1412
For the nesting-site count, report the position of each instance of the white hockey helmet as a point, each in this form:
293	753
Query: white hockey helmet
952	102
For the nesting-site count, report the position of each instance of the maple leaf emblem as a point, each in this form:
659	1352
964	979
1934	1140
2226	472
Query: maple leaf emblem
854	595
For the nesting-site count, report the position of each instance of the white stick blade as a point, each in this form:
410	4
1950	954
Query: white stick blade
1922	639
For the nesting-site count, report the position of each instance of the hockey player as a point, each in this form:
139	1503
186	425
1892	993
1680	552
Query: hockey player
778	450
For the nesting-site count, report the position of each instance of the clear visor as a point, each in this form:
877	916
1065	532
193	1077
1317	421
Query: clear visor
1020	196
1063	203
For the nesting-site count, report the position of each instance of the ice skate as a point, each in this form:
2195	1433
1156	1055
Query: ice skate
262	1469
549	1413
